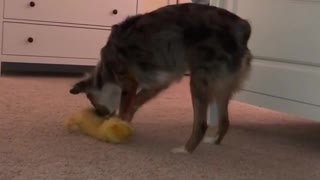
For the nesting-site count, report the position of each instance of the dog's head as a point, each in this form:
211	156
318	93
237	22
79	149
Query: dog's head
103	87
103	92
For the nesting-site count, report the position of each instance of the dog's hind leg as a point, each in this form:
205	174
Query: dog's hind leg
215	133
200	100
222	99
223	91
212	124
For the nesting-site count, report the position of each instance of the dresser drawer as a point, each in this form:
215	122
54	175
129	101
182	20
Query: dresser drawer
88	12
52	41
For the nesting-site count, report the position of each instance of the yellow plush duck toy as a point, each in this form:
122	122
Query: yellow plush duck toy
112	130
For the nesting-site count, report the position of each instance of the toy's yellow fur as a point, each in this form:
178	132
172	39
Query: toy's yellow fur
112	130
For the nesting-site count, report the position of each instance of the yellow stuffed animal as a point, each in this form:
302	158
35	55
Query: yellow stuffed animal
112	130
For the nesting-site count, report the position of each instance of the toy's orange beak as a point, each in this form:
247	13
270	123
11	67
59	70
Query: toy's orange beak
70	124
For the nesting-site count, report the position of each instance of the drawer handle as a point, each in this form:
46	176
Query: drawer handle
30	40
115	11
32	4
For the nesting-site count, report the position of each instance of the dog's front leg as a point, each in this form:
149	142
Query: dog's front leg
143	96
127	98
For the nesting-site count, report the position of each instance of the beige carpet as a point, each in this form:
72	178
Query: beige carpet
261	144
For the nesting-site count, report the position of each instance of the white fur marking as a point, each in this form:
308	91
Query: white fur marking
179	150
163	77
109	96
209	140
211	135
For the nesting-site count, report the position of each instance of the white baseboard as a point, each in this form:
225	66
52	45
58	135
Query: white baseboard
300	109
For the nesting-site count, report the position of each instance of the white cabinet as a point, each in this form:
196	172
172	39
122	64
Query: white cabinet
286	46
59	31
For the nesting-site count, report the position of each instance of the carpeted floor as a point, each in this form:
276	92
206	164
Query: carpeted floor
261	144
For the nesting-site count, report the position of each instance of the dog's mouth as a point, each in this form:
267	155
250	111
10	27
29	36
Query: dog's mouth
100	110
103	111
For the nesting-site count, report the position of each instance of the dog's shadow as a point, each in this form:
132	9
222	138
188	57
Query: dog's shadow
304	134
299	133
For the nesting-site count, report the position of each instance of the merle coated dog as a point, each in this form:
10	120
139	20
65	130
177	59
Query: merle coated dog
152	50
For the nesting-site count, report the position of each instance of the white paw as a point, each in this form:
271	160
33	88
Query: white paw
179	150
209	140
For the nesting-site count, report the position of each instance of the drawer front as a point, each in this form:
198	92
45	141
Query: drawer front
89	12
52	41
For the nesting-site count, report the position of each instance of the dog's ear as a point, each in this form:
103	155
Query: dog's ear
80	87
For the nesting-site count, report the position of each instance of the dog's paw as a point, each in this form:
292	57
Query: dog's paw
211	135
209	140
179	150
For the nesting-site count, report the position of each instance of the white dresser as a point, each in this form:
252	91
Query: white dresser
68	32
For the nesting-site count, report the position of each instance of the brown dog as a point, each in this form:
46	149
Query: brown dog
153	50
